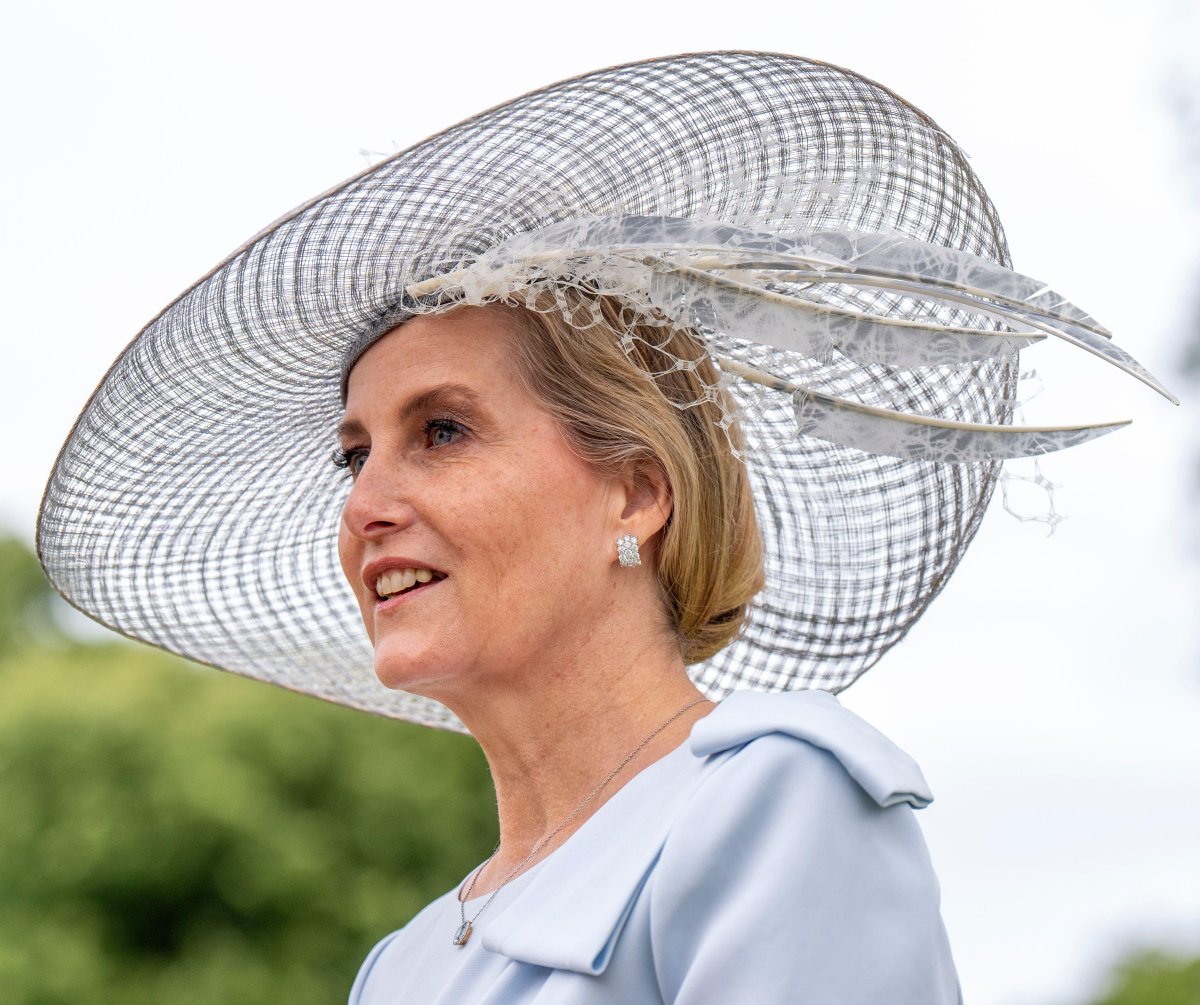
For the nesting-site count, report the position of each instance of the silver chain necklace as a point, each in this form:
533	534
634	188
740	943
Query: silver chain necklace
464	930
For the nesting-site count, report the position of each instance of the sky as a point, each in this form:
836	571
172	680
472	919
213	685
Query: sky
1051	692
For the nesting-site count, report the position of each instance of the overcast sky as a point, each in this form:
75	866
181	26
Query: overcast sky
1051	693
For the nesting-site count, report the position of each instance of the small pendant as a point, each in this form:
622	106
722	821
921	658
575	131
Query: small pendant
463	933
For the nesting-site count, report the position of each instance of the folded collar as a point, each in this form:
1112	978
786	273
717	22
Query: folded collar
885	772
571	914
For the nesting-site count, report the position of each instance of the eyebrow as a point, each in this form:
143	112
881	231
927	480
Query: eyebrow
441	395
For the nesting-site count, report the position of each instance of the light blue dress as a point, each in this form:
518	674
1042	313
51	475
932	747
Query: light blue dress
772	858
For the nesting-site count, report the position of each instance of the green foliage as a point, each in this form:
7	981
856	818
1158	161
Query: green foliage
173	834
24	597
1154	978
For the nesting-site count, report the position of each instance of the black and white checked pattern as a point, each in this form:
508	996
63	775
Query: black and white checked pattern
194	506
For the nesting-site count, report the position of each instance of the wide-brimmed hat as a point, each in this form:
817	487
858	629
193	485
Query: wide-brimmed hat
826	241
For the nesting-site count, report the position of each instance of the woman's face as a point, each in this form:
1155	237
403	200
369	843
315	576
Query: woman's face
474	538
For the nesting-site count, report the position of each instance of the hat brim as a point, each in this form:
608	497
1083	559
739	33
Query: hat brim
194	506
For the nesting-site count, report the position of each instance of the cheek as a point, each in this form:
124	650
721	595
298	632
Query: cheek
350	557
346	553
544	526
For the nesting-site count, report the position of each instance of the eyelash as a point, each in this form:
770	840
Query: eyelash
344	458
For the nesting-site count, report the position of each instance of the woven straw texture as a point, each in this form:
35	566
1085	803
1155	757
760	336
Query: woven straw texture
194	505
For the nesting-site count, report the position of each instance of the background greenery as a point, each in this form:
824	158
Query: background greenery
1154	978
174	834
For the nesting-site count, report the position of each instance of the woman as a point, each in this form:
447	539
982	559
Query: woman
503	493
678	381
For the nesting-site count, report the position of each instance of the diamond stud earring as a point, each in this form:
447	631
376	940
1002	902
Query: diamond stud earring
628	554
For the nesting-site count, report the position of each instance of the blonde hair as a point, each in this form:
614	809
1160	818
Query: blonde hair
621	396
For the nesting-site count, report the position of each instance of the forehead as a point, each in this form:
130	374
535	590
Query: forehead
469	338
460	359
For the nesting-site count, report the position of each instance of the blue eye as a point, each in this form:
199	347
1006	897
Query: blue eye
442	432
352	460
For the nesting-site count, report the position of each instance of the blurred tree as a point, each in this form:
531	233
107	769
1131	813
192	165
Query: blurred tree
1154	978
174	834
25	597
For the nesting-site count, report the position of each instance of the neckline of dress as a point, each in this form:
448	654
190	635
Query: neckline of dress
635	780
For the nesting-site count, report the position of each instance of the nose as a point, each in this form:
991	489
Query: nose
377	505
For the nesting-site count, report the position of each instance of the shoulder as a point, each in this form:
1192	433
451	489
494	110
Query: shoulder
379	969
364	971
798	857
792	786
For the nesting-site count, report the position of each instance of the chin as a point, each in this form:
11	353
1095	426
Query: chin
420	673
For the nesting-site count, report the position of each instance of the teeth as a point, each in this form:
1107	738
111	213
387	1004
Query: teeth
397	580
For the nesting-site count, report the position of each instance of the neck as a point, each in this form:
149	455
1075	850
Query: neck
551	736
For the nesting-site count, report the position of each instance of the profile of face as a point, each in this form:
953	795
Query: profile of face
475	539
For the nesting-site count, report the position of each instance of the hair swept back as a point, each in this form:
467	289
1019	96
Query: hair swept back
620	407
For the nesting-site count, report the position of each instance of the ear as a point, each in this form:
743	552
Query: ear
645	500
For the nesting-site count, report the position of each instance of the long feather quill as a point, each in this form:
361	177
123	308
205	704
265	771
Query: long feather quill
915	437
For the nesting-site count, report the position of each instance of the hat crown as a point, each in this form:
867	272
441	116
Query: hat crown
182	547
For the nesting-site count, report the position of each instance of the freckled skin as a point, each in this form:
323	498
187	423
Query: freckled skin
523	529
558	661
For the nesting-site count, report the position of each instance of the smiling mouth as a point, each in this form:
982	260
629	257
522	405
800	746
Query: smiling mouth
402	582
